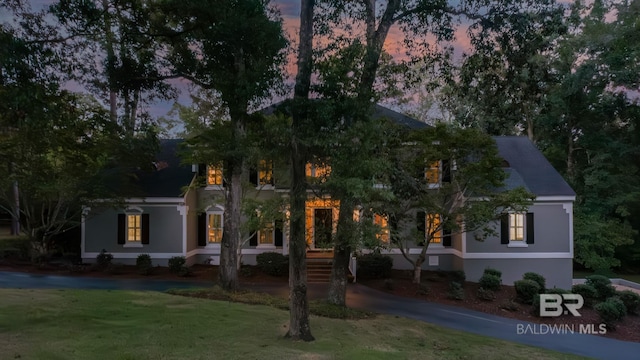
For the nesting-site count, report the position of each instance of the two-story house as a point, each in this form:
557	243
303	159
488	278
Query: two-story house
167	221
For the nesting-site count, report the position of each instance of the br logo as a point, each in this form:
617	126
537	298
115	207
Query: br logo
554	305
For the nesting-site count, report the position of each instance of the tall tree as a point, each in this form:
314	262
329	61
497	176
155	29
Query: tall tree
423	25
299	327
234	48
465	191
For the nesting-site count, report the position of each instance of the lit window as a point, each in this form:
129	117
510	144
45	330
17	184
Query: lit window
134	228
215	228
516	227
433	228
214	174
265	173
318	170
383	222
266	235
432	173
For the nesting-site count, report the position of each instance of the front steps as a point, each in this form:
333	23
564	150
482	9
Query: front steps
319	266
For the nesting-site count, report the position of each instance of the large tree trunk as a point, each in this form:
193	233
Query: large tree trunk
231	239
341	255
299	328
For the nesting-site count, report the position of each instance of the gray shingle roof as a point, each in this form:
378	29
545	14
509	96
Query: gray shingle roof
170	175
530	168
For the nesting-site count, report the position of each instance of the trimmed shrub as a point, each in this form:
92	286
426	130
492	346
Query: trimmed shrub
176	264
558	291
103	260
490	282
630	299
374	266
388	284
602	284
273	263
526	289
144	265
486	294
611	311
458	276
509	305
455	291
537	278
588	292
491	271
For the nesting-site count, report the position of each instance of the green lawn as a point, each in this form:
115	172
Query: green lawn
80	324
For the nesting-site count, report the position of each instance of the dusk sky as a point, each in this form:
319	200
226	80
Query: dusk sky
290	11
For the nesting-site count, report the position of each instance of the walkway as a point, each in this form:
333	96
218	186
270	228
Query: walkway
362	297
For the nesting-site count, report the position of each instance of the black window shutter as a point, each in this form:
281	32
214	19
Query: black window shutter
446	171
145	228
253	241
279	234
446	237
202	169
202	229
253	176
530	234
421	226
122	228
504	229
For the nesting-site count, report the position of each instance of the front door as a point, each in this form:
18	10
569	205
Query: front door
322	228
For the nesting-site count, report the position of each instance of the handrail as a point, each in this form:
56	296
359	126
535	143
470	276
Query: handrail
353	266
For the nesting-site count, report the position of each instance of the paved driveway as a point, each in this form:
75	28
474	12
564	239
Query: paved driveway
362	297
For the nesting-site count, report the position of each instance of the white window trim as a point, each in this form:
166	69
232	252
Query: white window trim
518	243
273	238
132	210
212	245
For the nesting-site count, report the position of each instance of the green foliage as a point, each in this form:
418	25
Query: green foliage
273	263
597	238
537	278
602	284
526	290
494	272
630	299
176	264
588	292
490	282
486	294
423	289
374	266
144	264
557	291
103	259
611	311
456	291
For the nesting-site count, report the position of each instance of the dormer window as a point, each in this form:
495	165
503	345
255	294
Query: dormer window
265	172
433	173
214	174
318	171
383	222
